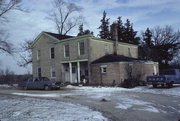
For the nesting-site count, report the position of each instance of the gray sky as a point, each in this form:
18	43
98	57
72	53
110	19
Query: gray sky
142	13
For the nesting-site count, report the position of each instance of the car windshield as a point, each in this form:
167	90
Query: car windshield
168	72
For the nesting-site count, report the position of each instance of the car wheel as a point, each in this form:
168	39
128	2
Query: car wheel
154	85
46	87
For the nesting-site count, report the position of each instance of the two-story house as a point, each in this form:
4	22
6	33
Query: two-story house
69	59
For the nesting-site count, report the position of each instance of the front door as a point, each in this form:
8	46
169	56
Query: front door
74	74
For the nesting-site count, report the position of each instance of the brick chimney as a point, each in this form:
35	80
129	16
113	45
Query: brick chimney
114	33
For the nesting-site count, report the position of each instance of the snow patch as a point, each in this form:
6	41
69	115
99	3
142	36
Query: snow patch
36	95
149	108
32	109
4	86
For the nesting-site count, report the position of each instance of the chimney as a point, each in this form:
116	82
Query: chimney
114	32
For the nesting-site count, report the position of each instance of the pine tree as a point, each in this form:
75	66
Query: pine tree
81	31
126	33
147	38
120	29
104	32
129	33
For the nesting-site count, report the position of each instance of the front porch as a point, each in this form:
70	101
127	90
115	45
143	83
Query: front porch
75	72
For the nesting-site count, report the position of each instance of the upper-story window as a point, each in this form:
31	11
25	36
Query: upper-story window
38	54
66	50
52	53
81	48
106	49
129	52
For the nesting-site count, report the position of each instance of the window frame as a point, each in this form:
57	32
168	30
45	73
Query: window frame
104	69
52	53
65	51
38	54
53	71
39	72
81	51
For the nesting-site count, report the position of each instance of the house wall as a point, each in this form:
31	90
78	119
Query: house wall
44	44
105	78
73	50
118	71
97	49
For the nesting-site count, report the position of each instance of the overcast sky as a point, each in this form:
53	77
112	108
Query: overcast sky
142	13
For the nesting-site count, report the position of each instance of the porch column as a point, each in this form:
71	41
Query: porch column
70	71
78	72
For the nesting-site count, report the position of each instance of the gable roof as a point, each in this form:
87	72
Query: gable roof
59	36
53	36
115	58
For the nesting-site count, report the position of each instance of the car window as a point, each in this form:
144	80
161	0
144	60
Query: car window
36	80
45	79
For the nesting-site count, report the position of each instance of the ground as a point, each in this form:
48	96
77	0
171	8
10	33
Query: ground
74	103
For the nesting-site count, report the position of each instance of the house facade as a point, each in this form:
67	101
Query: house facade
69	59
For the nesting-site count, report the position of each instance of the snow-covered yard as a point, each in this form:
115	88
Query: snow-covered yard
43	105
32	109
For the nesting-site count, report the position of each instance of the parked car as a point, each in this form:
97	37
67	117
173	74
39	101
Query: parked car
39	83
167	77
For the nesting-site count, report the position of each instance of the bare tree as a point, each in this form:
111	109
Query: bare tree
26	54
5	7
166	44
66	16
166	35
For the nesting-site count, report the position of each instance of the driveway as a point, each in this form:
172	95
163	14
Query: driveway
115	104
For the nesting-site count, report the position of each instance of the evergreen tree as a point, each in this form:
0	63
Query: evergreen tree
129	33
120	29
146	48
147	38
126	33
133	38
81	31
104	32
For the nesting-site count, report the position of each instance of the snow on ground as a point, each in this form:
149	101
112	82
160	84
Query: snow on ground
175	91
32	109
36	95
4	86
130	102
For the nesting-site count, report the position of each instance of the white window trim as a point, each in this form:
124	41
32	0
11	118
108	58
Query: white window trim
102	71
78	48
37	52
79	53
64	47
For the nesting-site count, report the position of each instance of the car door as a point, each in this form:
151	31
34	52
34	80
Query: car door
30	83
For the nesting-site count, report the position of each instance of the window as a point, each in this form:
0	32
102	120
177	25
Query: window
66	50
53	71
106	49
38	54
129	52
52	53
81	48
39	72
103	69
